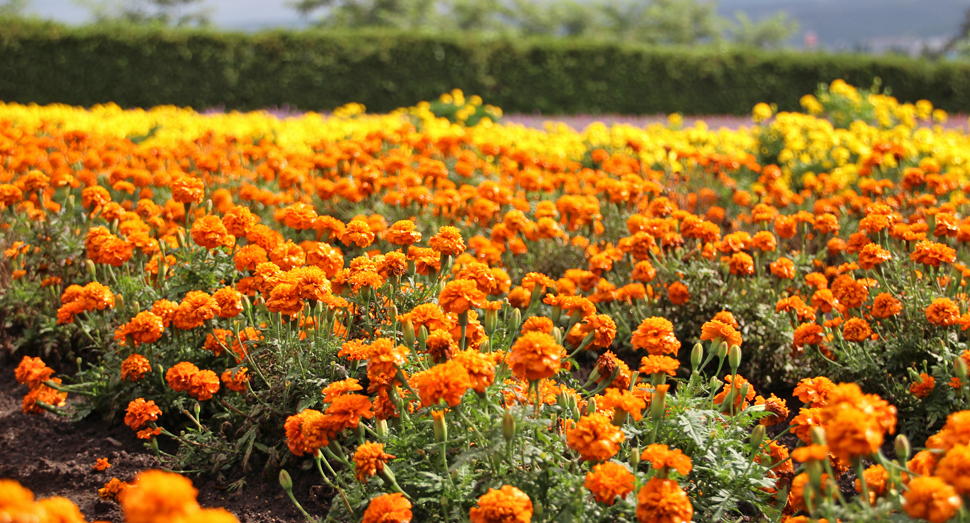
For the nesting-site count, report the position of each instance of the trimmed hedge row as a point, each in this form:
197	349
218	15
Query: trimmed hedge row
315	70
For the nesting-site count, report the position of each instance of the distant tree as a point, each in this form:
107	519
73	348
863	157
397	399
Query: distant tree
405	14
13	8
766	33
163	12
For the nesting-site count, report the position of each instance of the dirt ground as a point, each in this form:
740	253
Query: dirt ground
55	457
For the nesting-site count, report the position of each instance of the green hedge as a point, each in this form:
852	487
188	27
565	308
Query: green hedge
315	70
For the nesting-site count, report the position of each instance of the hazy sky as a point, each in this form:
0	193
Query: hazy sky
226	13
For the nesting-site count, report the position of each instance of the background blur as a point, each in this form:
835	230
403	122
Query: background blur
931	28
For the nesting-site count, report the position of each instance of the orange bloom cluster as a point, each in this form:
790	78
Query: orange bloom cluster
656	336
661	456
186	377
595	438
34	373
609	480
505	505
369	460
141	416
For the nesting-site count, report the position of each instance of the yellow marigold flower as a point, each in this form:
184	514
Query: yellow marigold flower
595	438
505	505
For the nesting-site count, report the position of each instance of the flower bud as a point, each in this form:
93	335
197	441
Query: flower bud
286	481
757	437
208	206
408	330
635	457
136	307
913	375
89	264
903	448
744	392
119	301
722	349
440	427
381	428
515	320
961	368
423	335
485	346
818	435
591	406
556	314
491	321
70	203
696	356
658	403
508	426
734	358
557	334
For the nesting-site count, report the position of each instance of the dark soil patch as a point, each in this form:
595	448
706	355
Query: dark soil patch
55	457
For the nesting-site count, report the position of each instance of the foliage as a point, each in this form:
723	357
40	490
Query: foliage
322	70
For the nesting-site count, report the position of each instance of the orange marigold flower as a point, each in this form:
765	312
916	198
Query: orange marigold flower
656	335
956	431
388	508
854	422
658	364
741	264
357	232
719	331
236	379
734	384
346	410
141	413
922	388
113	490
102	464
954	468
857	330
538	324
402	233
307	431
660	456
448	241
877	482
179	376
460	295
811	453
678	293
871	255
145	327
609	480
783	268
602	327
157	496
203	384
776	406
595	438
932	253
534	356
447	381
196	308
45	394
932	499
229	301
663	501
808	334
339	388
369	459
97	296
617	399
135	367
187	189
480	368
209	232
505	505
32	372
943	312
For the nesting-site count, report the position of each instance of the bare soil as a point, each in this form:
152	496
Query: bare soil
55	457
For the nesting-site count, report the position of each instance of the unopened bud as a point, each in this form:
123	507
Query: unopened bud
208	206
591	406
722	349
903	448
557	334
440	427
491	321
119	301
508	426
408	330
423	335
817	435
696	356
734	358
485	346
91	269
136	307
757	437
913	375
515	320
744	391
381	428
286	481
658	403
961	368
180	236
70	203
635	457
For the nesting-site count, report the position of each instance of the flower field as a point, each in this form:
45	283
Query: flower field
452	318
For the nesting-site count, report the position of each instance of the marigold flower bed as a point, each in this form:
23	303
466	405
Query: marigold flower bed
490	323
